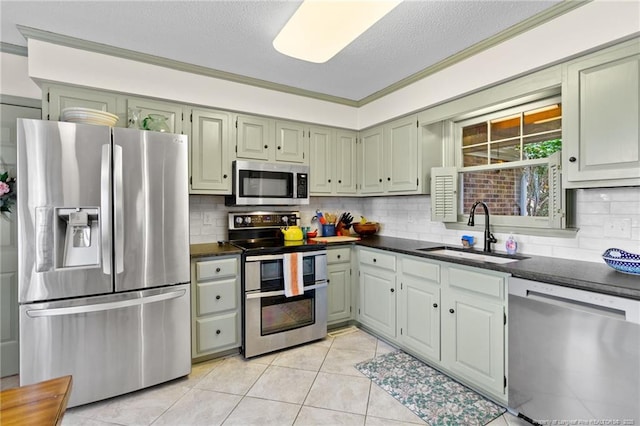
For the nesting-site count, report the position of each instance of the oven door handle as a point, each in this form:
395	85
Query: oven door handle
262	257
259	295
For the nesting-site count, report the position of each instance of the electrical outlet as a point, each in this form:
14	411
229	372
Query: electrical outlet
617	228
411	218
208	218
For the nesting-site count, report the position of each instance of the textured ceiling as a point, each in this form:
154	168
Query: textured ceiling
236	36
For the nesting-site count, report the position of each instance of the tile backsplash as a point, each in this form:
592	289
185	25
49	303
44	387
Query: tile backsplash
606	217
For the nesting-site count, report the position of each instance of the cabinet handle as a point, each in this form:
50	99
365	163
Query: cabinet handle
572	159
338	256
393	290
217	269
218	332
218	297
435	305
451	310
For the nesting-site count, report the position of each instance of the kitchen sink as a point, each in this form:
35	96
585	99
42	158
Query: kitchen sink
472	255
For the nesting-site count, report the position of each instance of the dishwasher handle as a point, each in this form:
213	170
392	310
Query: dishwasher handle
571	298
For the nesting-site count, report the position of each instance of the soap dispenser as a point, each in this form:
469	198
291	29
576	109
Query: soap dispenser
511	245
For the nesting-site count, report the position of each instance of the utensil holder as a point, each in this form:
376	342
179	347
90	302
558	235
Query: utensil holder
328	230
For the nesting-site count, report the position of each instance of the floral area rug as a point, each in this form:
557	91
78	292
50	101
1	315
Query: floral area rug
434	397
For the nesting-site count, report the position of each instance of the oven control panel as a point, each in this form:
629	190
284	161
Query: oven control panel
262	219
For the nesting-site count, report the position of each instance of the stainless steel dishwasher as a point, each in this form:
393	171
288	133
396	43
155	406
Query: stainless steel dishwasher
574	355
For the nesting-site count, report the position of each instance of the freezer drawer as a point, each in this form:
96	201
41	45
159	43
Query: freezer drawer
111	345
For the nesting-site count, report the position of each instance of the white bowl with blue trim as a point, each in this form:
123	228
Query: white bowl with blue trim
622	261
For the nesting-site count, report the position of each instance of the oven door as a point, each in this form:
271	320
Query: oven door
273	321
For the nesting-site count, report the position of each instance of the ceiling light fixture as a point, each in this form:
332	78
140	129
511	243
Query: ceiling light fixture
319	29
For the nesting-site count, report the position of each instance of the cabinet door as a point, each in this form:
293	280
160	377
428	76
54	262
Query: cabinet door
254	137
290	142
210	163
420	310
372	166
321	160
378	300
339	292
401	155
173	112
601	109
67	97
344	159
217	333
473	339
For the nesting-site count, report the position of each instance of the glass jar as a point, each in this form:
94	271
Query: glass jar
156	122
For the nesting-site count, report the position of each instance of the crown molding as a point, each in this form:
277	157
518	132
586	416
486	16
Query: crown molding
13	49
63	40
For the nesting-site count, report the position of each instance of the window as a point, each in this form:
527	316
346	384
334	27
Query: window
510	159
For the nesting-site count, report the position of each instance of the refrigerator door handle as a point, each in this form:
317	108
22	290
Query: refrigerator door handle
36	313
105	210
118	208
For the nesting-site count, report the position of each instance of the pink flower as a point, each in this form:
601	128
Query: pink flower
4	188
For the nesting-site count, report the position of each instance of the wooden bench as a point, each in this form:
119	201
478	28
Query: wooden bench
42	403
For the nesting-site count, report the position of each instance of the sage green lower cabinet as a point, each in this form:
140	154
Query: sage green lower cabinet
377	291
339	289
473	326
215	305
419	306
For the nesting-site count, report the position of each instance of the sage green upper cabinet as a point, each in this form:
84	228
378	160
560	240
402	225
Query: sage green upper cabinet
209	157
345	162
321	161
57	98
601	102
419	306
173	112
254	137
401	154
332	161
290	142
372	151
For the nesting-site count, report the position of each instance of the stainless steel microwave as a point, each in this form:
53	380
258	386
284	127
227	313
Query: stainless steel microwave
258	183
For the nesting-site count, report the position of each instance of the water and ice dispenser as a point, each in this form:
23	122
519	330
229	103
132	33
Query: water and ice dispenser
67	237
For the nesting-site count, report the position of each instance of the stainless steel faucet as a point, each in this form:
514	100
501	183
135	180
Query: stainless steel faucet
488	236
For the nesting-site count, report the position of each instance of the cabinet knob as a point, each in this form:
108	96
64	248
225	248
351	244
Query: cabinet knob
374	261
572	159
217	269
339	181
224	176
338	256
451	310
218	332
393	290
435	305
380	180
279	147
266	146
389	179
329	180
218	297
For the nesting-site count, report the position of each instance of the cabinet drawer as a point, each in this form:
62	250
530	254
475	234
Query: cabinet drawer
477	282
339	255
217	332
381	260
219	268
421	269
216	296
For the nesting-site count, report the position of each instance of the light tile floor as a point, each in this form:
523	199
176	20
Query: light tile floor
315	384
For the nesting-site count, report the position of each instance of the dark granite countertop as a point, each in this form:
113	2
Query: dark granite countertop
212	249
590	276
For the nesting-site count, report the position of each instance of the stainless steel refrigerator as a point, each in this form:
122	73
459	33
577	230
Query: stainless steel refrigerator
103	263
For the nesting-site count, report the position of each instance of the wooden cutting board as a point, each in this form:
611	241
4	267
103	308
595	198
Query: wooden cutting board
336	239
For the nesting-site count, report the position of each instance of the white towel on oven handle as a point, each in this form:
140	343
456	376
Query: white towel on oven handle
292	271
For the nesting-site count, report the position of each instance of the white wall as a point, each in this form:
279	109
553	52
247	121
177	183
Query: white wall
607	217
14	77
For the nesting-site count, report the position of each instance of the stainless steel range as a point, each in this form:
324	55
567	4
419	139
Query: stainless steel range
272	321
